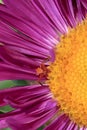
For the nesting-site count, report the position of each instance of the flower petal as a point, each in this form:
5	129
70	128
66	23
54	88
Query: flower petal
59	124
33	106
62	123
30	31
3	124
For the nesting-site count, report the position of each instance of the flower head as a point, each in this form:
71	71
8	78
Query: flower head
31	48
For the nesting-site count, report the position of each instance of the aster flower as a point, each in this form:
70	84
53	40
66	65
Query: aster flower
30	31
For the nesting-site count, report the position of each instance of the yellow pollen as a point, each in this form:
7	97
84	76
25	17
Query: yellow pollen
67	78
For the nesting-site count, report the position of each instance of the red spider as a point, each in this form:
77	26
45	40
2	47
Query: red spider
42	71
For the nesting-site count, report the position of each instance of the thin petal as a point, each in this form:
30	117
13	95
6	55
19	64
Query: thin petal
3	124
59	124
33	106
30	31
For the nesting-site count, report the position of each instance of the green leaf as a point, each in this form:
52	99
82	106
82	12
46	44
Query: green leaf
20	82
41	128
6	129
5	109
0	1
3	85
6	84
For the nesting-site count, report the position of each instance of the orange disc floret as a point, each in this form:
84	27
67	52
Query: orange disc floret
68	74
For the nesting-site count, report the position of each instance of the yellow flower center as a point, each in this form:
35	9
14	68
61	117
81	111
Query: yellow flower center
68	74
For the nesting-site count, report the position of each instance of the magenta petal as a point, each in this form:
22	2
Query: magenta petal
23	93
33	106
3	124
21	57
35	119
84	3
60	123
30	31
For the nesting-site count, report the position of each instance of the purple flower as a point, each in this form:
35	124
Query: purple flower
29	32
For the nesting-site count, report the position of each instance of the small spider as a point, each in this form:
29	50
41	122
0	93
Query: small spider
42	71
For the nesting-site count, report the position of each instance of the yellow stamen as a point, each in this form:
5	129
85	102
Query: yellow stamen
68	74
